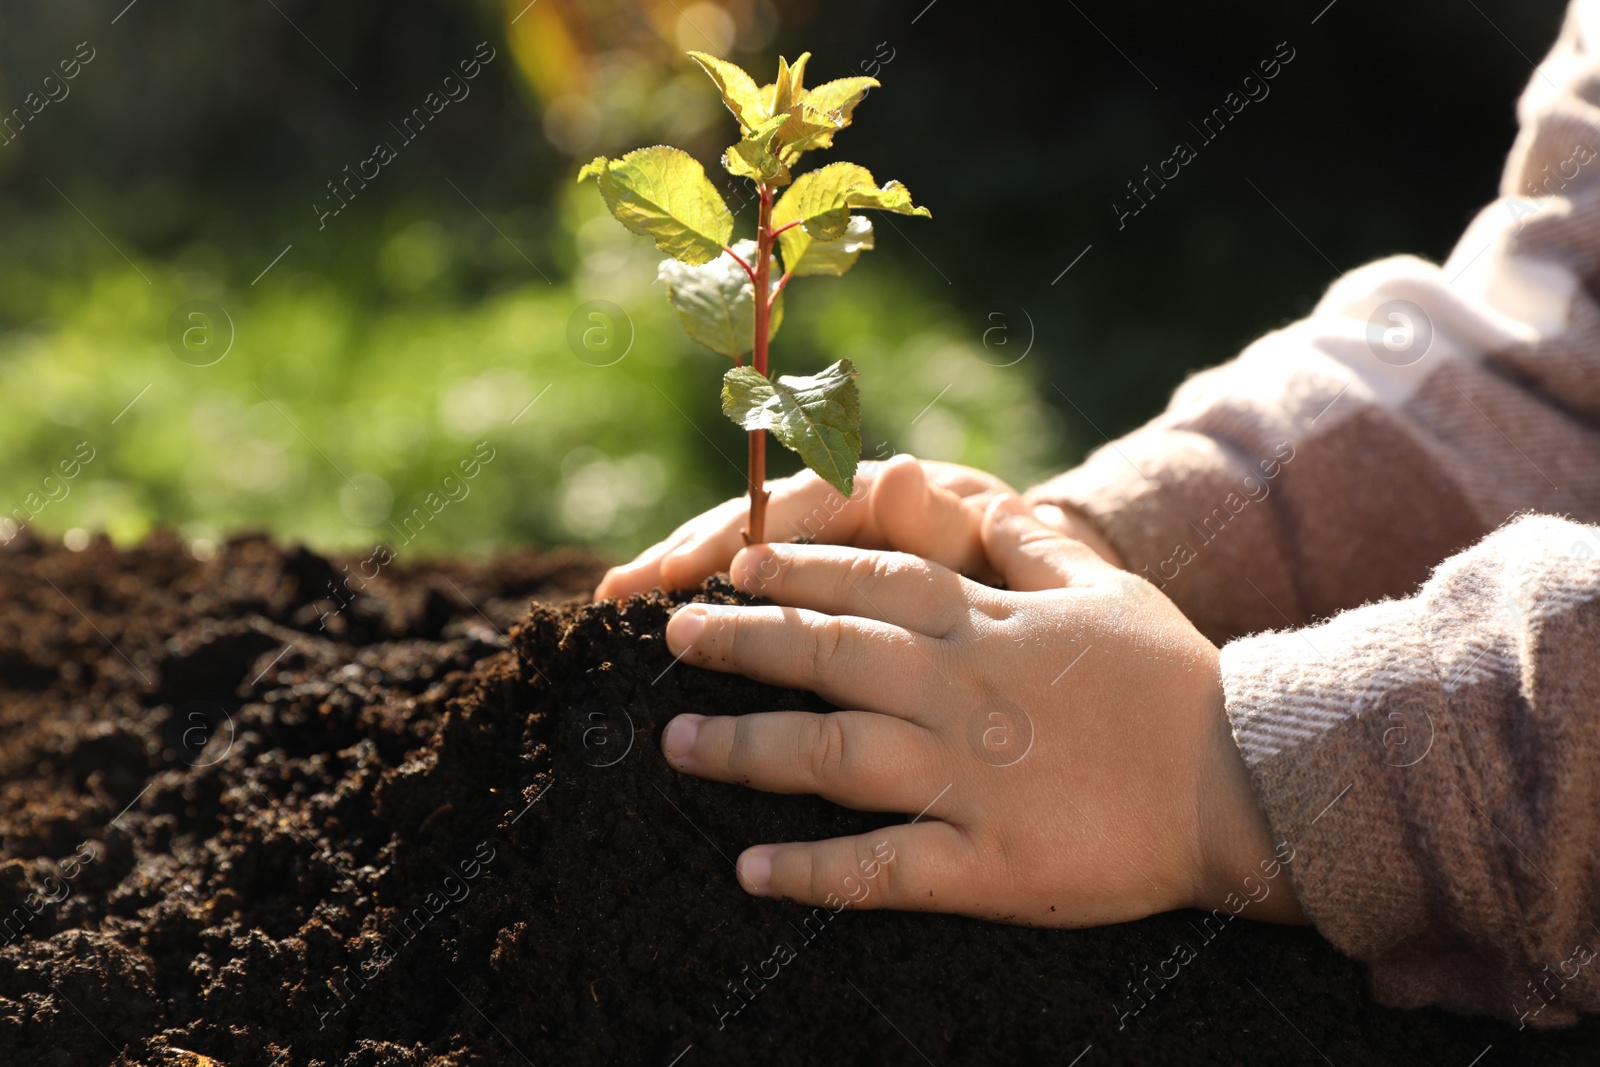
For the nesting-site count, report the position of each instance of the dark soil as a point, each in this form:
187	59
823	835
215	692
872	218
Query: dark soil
439	831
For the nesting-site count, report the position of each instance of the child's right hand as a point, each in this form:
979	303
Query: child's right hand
1066	736
925	508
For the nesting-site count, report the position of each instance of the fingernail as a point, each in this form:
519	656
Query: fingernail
755	871
685	627
677	740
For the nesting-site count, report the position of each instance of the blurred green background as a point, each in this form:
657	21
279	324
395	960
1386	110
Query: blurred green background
368	353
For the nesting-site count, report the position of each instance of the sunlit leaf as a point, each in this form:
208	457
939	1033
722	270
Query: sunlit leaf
664	193
789	89
739	90
837	99
821	199
806	128
812	116
817	416
753	157
802	254
717	302
841	95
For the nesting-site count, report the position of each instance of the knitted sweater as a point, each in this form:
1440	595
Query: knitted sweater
1431	747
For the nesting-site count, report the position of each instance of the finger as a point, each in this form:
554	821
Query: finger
1029	555
1074	524
961	480
855	758
923	866
707	547
803	507
857	663
918	516
639	575
890	587
643	573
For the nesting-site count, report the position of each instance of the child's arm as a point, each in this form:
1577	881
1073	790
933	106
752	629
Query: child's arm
1436	763
1338	460
1416	777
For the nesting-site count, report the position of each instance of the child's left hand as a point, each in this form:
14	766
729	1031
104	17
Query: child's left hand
1063	739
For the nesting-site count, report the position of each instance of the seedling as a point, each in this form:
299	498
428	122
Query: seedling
662	192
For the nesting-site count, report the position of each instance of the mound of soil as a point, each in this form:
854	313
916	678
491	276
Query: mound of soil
433	827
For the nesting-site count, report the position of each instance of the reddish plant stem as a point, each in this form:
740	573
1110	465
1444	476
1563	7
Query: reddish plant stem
786	227
756	528
737	258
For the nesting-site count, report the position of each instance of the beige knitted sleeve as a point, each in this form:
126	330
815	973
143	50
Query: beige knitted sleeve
1435	762
1434	759
1338	460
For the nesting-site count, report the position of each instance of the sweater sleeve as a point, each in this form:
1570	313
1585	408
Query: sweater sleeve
1337	460
1435	762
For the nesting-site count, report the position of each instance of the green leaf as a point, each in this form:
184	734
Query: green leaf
802	254
664	193
738	90
806	128
812	117
837	99
841	95
822	199
818	416
753	158
717	302
789	89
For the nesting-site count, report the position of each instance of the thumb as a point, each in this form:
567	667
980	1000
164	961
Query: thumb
1029	555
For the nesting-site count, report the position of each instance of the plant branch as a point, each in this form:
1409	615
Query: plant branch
778	289
786	227
740	260
756	475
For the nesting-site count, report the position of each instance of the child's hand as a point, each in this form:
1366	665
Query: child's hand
1067	748
926	508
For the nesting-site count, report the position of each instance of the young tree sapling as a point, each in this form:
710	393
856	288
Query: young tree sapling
663	193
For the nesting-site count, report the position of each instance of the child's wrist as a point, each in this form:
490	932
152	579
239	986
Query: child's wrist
1241	868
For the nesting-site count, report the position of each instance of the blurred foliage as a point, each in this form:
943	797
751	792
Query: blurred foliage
332	424
370	359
